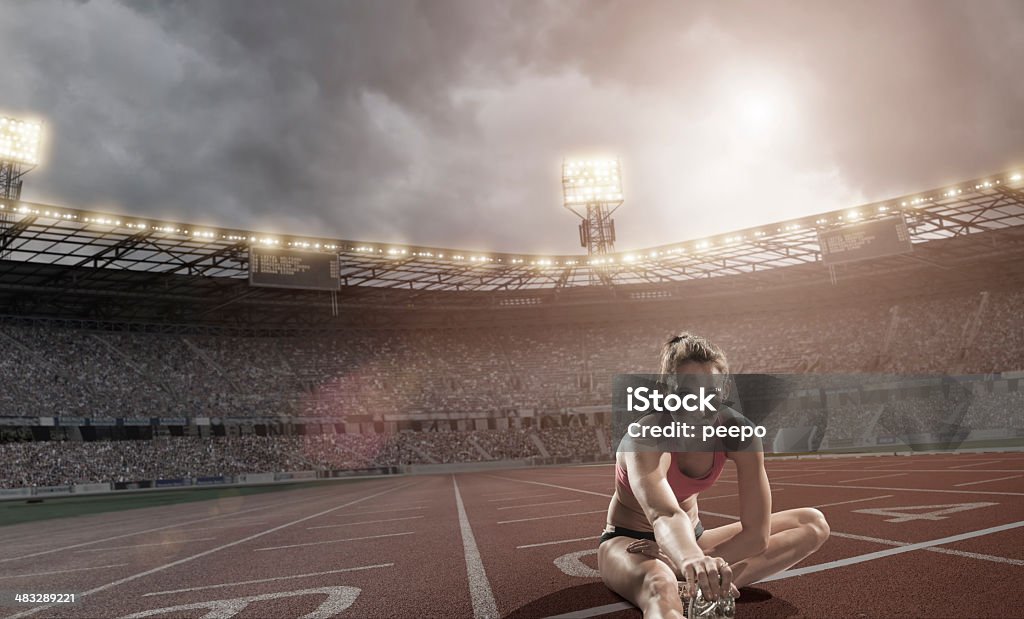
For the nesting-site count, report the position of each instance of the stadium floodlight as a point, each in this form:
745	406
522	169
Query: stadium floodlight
19	153
592	189
19	141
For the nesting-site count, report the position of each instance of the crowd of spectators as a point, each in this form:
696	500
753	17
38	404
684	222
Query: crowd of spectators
52	371
53	463
371	376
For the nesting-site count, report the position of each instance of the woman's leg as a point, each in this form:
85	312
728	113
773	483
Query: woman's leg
795	534
647	582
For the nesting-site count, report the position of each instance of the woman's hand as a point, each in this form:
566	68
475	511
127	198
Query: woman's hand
712	574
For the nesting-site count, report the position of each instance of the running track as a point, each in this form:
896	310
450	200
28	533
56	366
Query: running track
920	536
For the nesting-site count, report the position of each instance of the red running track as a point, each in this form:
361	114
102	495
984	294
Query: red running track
921	536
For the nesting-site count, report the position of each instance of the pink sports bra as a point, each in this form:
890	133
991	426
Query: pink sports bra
682	486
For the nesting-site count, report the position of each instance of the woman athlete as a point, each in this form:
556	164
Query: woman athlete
654	537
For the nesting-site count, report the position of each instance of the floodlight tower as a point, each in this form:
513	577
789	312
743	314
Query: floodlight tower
19	153
592	188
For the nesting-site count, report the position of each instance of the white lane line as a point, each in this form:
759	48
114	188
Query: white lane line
892	470
333	541
540	483
870	498
409	505
596	611
596	511
945	551
518	498
170	543
360	512
592	538
160	568
850	481
261	580
801	475
223	526
871	556
964	466
505	493
123	535
77	569
703	499
986	481
892	542
345	524
986	492
540	504
480	592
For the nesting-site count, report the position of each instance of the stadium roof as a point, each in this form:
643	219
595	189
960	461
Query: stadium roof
49	254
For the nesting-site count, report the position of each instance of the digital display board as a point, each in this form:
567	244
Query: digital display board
871	239
286	268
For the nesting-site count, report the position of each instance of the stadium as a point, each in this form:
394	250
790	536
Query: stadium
521	310
144	354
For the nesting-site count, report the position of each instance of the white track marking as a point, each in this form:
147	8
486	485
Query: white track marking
803	475
223	526
160	568
123	535
507	492
596	511
945	551
892	542
338	600
480	591
989	492
262	580
871	556
559	541
870	498
892	470
170	543
333	541
703	499
913	512
77	569
345	524
384	506
541	483
571	565
519	498
540	504
986	481
596	611
964	466
384	511
850	481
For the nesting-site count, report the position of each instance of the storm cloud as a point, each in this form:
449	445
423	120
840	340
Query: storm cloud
445	123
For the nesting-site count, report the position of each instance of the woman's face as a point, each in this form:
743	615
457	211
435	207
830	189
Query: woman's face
692	376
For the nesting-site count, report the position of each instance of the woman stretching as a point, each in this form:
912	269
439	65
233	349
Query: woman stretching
654	537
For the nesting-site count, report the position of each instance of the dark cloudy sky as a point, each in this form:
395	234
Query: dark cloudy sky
445	123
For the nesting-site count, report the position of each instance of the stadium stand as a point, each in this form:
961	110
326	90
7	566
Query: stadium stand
423	361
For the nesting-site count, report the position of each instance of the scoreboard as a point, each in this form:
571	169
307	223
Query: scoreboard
871	239
286	268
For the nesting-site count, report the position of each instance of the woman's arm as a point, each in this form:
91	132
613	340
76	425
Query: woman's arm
673	528
755	508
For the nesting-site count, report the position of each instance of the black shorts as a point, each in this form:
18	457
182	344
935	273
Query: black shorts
698	530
